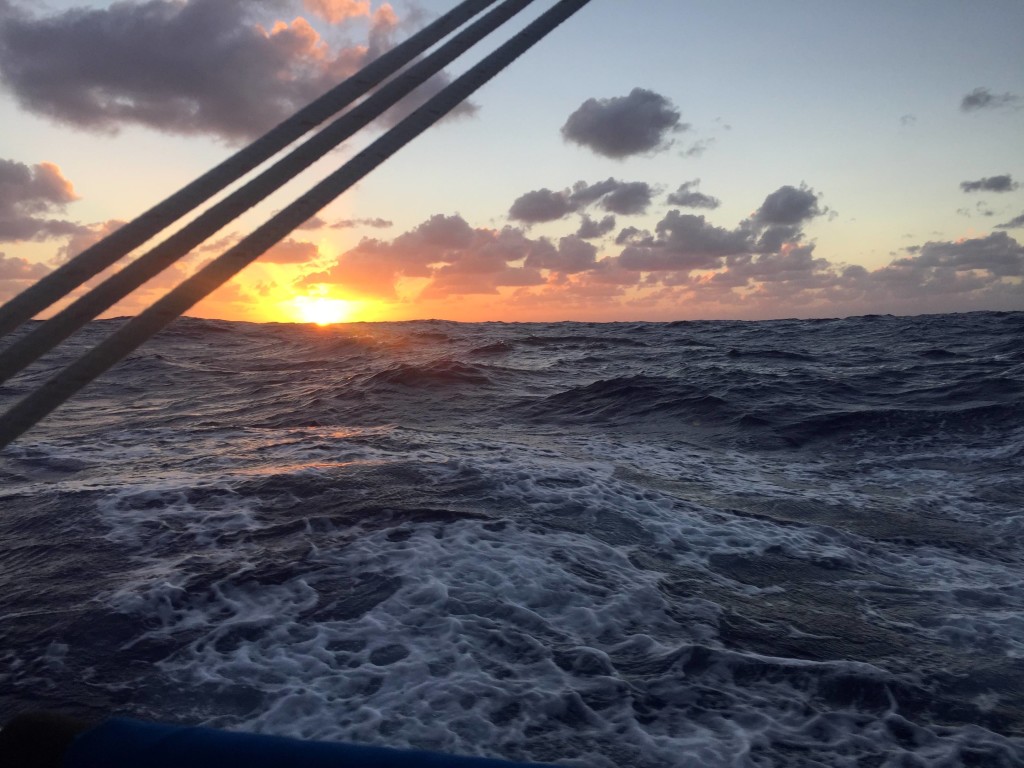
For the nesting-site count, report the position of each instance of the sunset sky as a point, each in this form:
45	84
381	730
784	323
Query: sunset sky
650	160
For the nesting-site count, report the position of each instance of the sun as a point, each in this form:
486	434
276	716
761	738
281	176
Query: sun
321	310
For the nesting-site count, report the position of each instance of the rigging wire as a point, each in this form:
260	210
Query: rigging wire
112	248
136	331
53	331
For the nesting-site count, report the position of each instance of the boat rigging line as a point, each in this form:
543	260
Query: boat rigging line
112	248
52	332
58	389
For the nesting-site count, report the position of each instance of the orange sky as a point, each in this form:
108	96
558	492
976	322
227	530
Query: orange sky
689	179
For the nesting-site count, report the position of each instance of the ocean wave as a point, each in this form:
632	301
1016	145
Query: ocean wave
728	543
438	373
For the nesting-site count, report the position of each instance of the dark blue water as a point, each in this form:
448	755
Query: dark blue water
792	543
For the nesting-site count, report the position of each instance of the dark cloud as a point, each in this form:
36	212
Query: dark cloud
189	66
681	242
773	238
983	98
573	255
591	229
787	265
998	254
28	198
437	238
628	199
375	223
687	196
542	205
1003	183
788	206
584	194
1014	223
622	197
983	273
625	198
937	276
317	222
624	125
685	242
634	236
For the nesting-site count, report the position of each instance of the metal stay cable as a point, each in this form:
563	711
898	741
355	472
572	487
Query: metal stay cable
52	332
110	249
136	331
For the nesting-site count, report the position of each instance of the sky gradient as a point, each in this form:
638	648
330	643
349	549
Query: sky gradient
650	160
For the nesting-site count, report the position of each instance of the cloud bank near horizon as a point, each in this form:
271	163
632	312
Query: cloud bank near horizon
762	264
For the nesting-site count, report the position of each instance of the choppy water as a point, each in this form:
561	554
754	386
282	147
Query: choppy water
787	543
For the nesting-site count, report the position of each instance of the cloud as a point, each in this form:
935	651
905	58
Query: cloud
375	223
998	253
364	270
17	268
634	236
456	258
591	229
622	197
628	198
624	125
179	66
983	98
337	11
1014	223
574	254
762	266
1002	183
291	252
687	196
85	237
29	195
16	274
686	242
314	222
542	205
789	205
979	273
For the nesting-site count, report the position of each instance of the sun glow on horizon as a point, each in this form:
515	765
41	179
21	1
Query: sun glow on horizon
321	310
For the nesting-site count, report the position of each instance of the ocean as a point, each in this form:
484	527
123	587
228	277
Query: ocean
784	543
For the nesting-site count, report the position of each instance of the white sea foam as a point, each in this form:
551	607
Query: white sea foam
521	639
